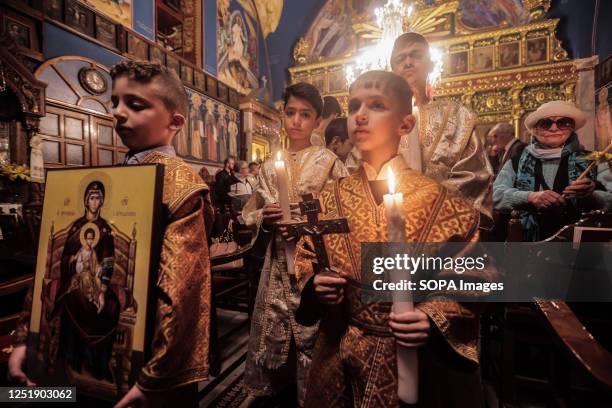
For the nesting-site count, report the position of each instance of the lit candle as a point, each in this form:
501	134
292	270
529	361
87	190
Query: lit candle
394	203
407	362
282	185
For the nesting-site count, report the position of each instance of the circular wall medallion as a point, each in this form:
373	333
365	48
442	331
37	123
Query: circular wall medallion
92	80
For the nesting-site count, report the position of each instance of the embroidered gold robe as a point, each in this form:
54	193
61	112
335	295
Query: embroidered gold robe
318	138
182	324
354	360
451	153
273	323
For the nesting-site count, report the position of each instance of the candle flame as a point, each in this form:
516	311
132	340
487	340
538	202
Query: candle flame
278	156
391	180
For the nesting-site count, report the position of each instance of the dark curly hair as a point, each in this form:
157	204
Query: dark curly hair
337	127
171	89
331	106
307	92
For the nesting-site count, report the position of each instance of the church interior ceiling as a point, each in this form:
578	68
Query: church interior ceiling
500	58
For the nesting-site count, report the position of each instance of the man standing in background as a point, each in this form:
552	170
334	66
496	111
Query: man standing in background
504	145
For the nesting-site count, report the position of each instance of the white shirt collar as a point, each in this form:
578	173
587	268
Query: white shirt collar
397	165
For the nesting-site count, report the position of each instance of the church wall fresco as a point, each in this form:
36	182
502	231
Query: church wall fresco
191	39
118	10
482	14
77	45
211	131
237	44
330	33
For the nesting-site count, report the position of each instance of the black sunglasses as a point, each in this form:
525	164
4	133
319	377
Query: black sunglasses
562	123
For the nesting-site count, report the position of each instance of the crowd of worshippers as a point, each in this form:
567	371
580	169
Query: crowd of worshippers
233	186
544	179
235	182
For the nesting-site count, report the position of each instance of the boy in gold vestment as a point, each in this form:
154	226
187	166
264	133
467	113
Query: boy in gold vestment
354	361
443	144
450	151
280	349
149	106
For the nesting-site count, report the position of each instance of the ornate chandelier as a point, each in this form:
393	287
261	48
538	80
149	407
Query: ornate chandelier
390	20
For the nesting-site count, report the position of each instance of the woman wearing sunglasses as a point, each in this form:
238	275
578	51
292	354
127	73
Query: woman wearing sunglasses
542	180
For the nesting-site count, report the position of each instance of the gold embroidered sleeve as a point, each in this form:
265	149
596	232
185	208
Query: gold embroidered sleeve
471	176
317	139
304	257
352	161
251	212
458	322
181	339
338	170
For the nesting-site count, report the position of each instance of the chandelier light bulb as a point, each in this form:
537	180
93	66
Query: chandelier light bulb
389	19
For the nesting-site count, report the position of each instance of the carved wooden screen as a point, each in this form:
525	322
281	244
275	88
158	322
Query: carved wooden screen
78	128
74	138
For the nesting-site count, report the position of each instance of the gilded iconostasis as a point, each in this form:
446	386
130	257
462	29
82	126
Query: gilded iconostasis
502	58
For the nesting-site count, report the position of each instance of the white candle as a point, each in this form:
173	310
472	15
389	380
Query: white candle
282	185
394	203
407	361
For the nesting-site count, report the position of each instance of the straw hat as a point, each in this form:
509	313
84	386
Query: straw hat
556	108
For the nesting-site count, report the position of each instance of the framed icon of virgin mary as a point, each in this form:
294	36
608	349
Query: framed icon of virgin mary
97	260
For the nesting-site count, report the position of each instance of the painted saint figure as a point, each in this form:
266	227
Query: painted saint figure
210	130
180	143
232	130
238	38
86	303
196	127
87	277
222	132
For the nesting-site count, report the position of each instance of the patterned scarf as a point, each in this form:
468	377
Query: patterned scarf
526	177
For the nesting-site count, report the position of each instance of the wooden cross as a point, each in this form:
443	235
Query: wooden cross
316	228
